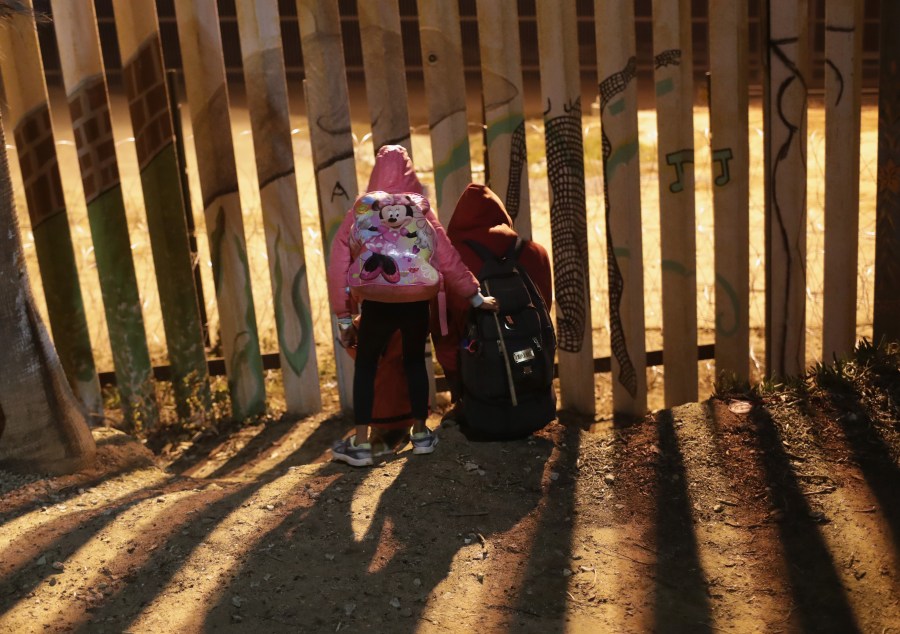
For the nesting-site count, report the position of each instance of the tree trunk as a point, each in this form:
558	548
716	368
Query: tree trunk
43	428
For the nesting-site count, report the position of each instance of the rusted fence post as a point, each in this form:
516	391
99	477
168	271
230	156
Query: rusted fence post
29	113
617	68
385	71
887	241
728	121
204	72
85	81
843	88
561	92
445	92
328	111
673	74
148	99
267	101
785	116
504	109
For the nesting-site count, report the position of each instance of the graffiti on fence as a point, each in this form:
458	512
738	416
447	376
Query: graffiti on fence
517	158
677	160
47	211
786	352
151	118
89	109
723	157
609	88
734	302
338	191
670	57
568	223
838	75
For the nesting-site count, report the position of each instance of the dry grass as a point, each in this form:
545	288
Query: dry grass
538	186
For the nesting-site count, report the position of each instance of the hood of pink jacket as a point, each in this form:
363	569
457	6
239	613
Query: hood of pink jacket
394	172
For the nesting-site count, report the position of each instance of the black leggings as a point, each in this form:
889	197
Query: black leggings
378	322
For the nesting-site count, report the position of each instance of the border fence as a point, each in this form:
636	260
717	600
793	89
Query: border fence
673	51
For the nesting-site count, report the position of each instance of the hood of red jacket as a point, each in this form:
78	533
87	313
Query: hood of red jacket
481	216
394	172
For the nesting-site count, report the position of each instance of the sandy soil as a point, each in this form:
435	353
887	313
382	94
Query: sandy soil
729	515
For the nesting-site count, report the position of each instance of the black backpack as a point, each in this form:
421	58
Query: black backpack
506	358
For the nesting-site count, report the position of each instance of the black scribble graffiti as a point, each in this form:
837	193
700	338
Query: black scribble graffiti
511	92
840	78
672	57
337	158
338	190
617	82
274	177
517	160
609	88
443	117
332	130
776	47
210	200
568	224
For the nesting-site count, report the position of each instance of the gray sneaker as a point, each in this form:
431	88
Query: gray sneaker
424	441
351	453
388	442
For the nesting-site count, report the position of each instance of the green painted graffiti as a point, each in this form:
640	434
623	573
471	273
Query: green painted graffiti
215	245
664	86
503	126
722	283
297	357
331	233
620	156
121	301
671	266
677	160
248	356
457	159
65	303
722	157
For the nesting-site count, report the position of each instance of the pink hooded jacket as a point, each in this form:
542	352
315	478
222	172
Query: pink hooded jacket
394	173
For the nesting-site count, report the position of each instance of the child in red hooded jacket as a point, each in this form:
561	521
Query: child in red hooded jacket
481	216
394	173
380	321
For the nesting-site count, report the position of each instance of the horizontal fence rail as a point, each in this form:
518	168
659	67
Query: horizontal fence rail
571	155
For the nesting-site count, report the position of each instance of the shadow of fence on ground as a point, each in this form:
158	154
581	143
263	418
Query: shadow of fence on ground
821	601
681	599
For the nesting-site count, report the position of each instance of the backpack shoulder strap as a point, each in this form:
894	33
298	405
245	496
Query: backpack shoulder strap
518	246
480	250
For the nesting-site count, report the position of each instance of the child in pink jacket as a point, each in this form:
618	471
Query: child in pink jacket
380	320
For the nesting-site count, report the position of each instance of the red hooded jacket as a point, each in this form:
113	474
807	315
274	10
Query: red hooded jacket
481	216
393	173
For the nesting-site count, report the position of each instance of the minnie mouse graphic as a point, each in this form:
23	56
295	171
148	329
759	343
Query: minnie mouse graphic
394	217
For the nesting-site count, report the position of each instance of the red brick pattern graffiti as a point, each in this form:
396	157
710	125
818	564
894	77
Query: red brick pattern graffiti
145	85
89	108
40	170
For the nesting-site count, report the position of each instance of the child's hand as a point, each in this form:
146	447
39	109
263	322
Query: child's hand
348	336
490	303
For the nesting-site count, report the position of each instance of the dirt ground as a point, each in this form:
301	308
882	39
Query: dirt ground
757	512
